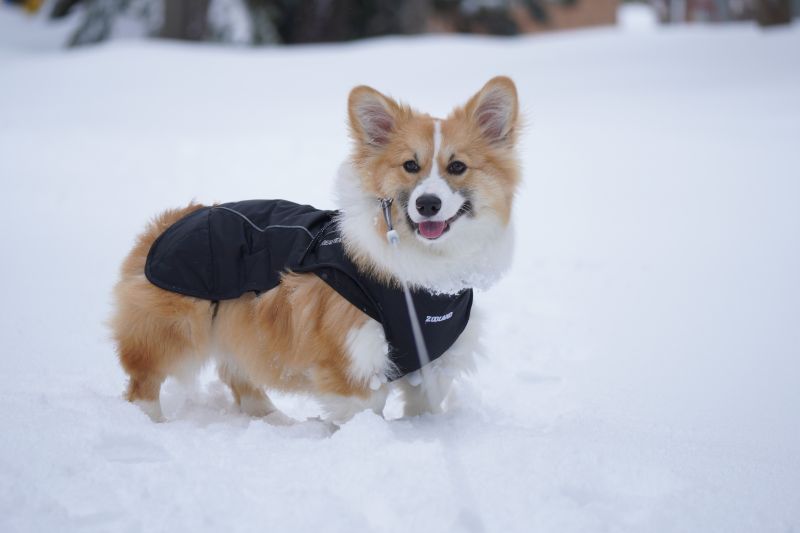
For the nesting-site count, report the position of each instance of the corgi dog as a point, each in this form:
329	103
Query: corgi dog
451	183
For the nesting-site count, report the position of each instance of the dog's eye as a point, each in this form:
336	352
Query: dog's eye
411	166
456	167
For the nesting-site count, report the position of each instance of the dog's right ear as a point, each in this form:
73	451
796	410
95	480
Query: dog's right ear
373	116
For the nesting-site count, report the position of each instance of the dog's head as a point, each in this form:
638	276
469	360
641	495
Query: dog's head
452	182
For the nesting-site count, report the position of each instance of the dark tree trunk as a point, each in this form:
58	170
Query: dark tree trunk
185	19
774	12
310	21
263	15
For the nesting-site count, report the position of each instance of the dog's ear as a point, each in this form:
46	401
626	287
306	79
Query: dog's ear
373	116
495	110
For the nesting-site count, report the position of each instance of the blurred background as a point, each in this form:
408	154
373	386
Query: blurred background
642	365
263	22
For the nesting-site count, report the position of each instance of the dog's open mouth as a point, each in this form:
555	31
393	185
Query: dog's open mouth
433	229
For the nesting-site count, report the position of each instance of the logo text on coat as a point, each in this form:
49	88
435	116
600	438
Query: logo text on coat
439	318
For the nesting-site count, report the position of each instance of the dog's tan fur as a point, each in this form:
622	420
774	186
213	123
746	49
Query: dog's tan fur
291	338
294	337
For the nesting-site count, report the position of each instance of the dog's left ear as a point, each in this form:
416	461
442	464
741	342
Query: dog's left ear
495	110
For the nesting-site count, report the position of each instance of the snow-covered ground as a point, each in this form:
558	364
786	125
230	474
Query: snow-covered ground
643	366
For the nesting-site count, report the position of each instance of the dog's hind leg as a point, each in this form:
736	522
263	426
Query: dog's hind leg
144	390
158	334
250	398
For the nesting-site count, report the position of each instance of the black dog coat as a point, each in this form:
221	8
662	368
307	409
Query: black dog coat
221	252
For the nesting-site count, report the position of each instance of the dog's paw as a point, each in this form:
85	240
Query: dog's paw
321	424
151	408
256	406
376	381
278	418
414	378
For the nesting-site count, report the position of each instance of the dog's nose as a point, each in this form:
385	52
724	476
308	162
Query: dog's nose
428	205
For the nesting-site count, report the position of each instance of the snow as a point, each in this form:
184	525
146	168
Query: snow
643	365
23	32
637	17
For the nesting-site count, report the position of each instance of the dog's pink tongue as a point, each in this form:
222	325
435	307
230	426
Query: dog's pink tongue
432	230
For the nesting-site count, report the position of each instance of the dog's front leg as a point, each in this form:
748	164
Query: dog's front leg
429	397
363	382
420	398
340	409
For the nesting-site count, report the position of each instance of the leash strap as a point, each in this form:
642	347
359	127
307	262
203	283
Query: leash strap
416	329
391	235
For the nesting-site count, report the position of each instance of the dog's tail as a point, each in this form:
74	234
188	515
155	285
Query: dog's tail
134	263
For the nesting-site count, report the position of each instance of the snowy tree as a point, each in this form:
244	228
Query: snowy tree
302	21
